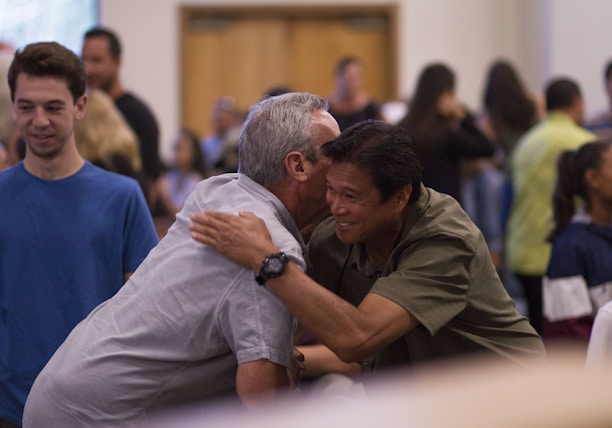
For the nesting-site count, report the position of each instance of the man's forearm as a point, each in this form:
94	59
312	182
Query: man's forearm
259	381
334	321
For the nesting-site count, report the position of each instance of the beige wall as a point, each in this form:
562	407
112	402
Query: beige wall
544	38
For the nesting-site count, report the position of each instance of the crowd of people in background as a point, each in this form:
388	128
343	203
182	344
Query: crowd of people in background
528	175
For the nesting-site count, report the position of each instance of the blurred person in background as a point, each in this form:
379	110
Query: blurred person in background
578	280
221	147
104	138
187	168
350	103
102	55
444	132
8	131
509	110
601	124
534	163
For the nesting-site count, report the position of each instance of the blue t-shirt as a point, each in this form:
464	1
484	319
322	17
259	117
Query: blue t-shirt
64	248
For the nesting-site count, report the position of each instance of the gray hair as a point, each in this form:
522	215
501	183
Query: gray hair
275	127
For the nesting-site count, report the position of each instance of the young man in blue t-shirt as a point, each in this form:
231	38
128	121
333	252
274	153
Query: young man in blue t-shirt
70	233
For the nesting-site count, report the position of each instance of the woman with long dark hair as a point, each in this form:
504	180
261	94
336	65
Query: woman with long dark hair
509	108
443	131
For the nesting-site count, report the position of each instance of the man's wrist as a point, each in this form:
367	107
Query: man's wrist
261	256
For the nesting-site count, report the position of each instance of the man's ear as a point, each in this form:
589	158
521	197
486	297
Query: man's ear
402	196
80	106
295	165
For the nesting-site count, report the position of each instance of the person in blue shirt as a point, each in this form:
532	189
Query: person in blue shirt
70	232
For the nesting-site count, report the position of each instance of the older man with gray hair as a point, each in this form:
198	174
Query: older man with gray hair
189	324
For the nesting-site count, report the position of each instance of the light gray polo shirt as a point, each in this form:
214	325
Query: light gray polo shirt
178	328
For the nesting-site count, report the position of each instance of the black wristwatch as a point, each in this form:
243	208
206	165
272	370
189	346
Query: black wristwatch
273	266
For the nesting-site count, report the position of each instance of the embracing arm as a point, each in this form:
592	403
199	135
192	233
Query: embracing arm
352	333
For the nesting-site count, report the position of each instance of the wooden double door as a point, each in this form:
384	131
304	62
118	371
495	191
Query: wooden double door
243	52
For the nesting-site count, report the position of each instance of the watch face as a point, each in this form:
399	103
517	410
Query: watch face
275	264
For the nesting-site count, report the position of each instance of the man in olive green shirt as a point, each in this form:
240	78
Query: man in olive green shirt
439	271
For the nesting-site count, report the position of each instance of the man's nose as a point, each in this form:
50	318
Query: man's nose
40	117
335	205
